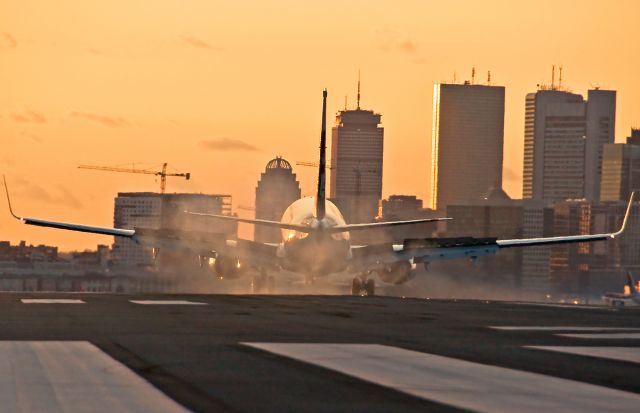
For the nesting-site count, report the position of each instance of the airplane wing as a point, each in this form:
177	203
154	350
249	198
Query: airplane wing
439	249
199	243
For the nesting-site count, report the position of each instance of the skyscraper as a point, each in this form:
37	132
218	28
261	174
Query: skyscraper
467	140
564	135
276	190
620	169
357	143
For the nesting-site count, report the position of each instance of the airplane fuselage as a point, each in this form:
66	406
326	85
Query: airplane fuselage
318	252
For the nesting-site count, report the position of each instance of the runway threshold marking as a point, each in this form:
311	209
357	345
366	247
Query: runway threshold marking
608	336
72	376
561	328
51	301
166	302
455	382
628	354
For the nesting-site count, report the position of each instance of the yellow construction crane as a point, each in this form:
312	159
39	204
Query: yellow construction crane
162	174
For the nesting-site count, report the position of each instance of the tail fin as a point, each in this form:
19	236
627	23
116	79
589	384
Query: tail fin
322	173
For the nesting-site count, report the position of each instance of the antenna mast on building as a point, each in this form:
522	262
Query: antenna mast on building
345	102
560	80
553	77
358	106
489	77
473	75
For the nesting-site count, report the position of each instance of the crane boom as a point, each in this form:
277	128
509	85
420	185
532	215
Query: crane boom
162	174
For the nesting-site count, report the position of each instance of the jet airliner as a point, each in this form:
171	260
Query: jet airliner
315	242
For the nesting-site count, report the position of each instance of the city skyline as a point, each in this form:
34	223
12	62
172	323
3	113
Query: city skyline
218	88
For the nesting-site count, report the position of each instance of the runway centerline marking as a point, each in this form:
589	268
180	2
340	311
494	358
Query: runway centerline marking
72	376
166	302
603	336
561	328
51	301
458	383
628	354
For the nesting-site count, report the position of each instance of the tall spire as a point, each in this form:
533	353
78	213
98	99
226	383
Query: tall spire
358	106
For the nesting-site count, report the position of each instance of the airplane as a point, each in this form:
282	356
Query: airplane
315	242
632	298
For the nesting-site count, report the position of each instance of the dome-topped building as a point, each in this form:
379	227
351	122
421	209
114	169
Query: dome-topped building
276	190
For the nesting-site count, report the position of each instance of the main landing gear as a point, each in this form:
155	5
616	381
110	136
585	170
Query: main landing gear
363	285
263	283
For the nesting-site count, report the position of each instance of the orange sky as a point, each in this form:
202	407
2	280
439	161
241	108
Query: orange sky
122	82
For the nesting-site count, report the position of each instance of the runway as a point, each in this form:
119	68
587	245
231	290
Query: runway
250	353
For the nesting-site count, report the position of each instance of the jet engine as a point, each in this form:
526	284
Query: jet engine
397	273
228	267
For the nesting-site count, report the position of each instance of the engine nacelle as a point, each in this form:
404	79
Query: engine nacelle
397	273
228	267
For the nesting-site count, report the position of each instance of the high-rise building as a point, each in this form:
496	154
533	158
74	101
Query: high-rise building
165	211
276	190
466	143
357	143
620	171
563	140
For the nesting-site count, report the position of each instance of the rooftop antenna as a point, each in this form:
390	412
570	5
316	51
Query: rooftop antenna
560	80
553	77
454	77
345	102
358	106
489	77
473	75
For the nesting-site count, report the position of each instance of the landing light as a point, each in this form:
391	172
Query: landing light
212	261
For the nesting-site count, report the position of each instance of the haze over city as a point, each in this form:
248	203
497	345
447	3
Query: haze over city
219	89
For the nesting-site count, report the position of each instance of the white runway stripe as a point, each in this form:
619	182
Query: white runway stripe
604	336
166	302
580	306
456	382
628	354
561	328
51	301
72	376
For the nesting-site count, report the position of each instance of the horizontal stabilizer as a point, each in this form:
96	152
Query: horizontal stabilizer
374	225
263	222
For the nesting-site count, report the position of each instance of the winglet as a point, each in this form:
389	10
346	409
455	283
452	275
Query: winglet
626	216
6	189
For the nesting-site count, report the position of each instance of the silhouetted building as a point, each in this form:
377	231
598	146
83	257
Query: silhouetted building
620	171
564	135
357	143
634	138
402	208
155	211
494	215
537	222
589	269
276	190
467	142
26	254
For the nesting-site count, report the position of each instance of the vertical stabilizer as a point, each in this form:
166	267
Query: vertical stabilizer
322	173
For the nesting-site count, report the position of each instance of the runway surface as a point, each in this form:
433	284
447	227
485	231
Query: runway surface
68	352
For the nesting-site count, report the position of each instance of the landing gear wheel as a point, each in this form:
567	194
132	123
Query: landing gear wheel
356	286
370	287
